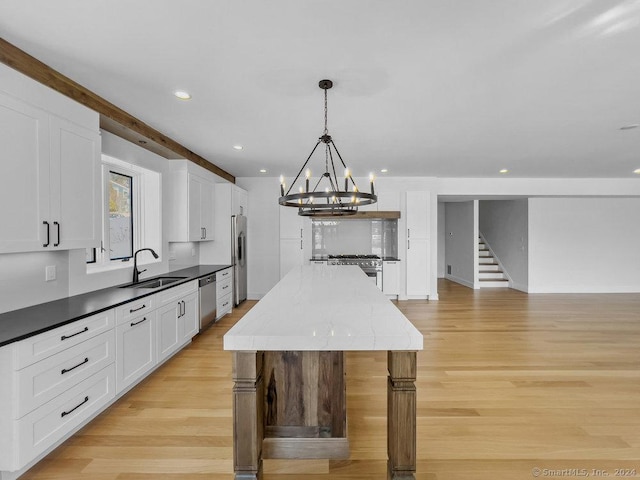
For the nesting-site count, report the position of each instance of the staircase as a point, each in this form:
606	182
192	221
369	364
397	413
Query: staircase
490	275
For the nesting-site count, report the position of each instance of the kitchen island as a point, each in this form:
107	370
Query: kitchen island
288	369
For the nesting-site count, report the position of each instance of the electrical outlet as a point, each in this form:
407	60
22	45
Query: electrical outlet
50	273
193	252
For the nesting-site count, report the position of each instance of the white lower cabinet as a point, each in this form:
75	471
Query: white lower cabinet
224	292
177	318
135	349
43	427
55	382
391	277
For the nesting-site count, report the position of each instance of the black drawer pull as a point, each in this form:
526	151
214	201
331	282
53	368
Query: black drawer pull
225	304
131	310
86	399
48	239
65	370
133	324
226	286
64	337
58	242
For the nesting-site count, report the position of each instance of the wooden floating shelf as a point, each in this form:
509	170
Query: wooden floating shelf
371	215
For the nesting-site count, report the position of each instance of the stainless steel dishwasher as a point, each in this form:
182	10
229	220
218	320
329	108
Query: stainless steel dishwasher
208	300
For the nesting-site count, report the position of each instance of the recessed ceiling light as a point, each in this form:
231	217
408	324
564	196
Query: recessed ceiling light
237	147
384	170
182	95
630	127
504	170
637	170
262	170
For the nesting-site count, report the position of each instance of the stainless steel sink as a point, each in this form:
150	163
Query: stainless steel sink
154	282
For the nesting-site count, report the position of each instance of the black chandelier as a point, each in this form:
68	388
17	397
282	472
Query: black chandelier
328	199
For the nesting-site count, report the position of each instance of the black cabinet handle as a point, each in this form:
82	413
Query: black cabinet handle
226	286
225	304
131	310
47	224
64	337
58	228
65	370
86	399
133	324
205	232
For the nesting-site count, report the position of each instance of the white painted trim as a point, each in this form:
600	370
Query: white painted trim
589	289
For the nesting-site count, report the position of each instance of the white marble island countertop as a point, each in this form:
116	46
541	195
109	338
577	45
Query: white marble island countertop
324	308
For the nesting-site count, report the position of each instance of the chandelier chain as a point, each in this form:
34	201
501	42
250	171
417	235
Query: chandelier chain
326	131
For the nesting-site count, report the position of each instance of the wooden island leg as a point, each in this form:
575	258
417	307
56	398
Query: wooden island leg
248	416
401	415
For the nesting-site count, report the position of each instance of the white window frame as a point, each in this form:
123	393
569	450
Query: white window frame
102	260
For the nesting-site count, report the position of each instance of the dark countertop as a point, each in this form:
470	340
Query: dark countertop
26	322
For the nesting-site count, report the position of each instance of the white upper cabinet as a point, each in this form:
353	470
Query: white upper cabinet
417	214
191	203
75	184
24	165
51	168
240	201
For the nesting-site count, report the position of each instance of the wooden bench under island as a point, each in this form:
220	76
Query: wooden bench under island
288	369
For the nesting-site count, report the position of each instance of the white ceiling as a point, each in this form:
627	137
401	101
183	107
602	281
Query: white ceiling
450	88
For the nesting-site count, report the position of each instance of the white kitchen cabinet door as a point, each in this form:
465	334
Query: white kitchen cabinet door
240	201
417	214
200	209
291	224
24	168
291	254
207	198
189	319
417	267
168	332
391	277
194	209
135	349
75	185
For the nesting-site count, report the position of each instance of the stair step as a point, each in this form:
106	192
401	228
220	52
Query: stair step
495	275
484	253
487	261
489	267
494	283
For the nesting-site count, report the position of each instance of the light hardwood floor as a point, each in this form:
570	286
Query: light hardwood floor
507	383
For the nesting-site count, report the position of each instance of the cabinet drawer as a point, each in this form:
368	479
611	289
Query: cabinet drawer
224	274
134	309
223	287
42	381
38	347
225	305
172	294
44	426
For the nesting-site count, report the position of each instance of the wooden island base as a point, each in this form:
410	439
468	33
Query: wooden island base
293	405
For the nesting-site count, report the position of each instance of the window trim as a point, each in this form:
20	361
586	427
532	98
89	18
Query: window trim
135	217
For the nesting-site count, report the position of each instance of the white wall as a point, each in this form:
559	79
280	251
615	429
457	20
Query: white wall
461	233
504	224
584	245
441	240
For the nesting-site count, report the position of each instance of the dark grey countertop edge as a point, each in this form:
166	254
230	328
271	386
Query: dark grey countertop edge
26	322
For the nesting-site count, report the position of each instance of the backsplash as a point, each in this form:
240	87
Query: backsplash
361	237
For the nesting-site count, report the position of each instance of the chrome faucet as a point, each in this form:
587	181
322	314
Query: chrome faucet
136	272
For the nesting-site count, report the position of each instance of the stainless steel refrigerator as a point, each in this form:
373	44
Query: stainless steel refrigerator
239	257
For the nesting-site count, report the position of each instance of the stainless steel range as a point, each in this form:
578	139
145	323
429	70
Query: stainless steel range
370	264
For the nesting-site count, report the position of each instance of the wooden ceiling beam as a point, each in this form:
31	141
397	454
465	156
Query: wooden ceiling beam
113	118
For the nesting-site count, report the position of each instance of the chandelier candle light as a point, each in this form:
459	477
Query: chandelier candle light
332	201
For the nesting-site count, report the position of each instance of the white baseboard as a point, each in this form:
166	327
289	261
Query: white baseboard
461	281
